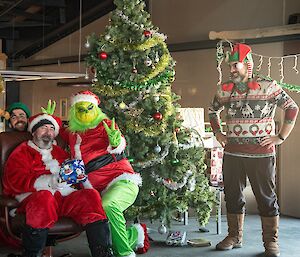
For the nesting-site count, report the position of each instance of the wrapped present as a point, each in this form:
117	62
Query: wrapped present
72	171
176	238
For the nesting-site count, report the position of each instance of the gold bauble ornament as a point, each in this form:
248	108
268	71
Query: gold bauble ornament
122	105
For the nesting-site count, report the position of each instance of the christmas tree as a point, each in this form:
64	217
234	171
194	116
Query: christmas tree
133	71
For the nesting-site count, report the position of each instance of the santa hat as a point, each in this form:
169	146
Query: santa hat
41	119
85	96
241	53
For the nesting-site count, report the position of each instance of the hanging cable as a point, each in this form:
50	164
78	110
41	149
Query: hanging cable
11	7
80	25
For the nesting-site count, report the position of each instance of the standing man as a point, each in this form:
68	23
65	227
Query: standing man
31	176
19	115
249	145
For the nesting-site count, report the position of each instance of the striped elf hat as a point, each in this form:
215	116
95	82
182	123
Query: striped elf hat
241	53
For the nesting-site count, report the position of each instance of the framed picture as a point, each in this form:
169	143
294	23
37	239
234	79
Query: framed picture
63	108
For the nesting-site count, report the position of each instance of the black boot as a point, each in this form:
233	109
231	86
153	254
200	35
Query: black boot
98	236
34	241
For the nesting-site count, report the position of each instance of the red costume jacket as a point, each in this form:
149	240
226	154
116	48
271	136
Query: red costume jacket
26	165
94	143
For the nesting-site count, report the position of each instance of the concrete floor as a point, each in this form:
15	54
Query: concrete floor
289	240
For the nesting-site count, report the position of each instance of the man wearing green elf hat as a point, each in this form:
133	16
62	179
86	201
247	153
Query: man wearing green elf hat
249	145
19	114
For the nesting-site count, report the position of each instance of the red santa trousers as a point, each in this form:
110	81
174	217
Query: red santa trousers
42	209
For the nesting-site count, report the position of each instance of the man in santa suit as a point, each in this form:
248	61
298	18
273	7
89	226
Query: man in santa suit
98	142
31	175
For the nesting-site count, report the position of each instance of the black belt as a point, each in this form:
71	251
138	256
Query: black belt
101	161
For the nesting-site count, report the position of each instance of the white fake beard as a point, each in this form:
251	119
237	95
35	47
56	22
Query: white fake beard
44	142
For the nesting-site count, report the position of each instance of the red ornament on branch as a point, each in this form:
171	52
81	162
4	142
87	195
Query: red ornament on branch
102	55
169	181
157	116
147	33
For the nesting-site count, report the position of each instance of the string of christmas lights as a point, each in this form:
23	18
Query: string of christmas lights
173	185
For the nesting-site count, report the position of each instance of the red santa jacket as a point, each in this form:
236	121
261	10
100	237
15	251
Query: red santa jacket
94	143
27	168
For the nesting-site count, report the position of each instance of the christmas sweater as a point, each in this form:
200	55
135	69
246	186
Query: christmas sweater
94	143
249	115
29	169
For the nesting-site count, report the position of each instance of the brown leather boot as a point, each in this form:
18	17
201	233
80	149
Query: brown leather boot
235	232
270	235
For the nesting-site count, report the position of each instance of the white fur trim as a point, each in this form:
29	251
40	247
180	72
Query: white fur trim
50	163
141	236
135	178
21	197
130	255
84	98
239	65
119	149
87	184
250	69
77	148
13	212
43	183
44	117
67	190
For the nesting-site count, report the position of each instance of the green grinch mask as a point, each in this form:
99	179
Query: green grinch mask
84	115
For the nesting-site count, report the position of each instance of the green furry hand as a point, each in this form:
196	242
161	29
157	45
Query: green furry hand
50	108
114	135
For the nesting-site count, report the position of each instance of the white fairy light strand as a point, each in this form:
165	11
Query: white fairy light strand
260	63
281	70
295	56
219	69
295	64
276	57
269	66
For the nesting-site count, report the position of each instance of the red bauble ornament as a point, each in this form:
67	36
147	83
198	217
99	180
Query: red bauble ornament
169	181
147	33
102	55
157	116
177	130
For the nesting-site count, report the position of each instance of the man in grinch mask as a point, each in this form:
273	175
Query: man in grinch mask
99	143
